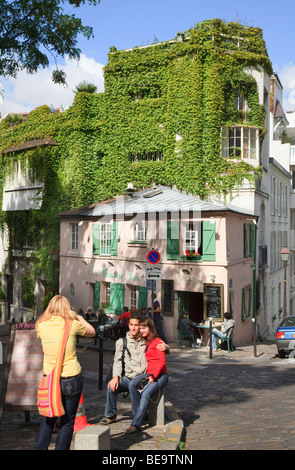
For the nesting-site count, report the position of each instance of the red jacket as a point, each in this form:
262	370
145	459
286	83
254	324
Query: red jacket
156	360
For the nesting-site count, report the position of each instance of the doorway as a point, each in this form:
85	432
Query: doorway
192	302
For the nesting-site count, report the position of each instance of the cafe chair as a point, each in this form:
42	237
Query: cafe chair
182	337
227	340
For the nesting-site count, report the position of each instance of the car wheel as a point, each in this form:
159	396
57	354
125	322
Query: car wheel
281	353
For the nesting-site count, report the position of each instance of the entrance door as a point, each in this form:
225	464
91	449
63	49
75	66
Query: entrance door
192	302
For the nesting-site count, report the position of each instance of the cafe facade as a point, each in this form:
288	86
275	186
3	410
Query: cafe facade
196	256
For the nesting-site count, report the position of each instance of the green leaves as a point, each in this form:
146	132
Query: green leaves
33	30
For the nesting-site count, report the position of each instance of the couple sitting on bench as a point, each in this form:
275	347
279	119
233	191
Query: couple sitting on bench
225	333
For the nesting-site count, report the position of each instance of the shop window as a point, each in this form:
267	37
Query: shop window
167	297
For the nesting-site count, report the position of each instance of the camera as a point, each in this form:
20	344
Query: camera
142	384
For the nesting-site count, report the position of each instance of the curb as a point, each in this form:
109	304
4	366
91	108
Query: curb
174	429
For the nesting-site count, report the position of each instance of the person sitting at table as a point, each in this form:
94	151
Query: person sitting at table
186	327
225	326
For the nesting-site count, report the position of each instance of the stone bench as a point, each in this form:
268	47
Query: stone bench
157	408
94	437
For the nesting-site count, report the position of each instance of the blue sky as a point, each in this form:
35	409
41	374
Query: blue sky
129	23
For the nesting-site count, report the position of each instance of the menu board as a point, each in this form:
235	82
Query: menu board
213	301
23	370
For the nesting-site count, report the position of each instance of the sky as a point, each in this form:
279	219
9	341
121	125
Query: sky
129	23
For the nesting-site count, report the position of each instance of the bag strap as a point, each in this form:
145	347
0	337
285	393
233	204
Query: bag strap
62	347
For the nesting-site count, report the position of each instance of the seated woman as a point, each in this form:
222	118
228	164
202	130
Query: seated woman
156	374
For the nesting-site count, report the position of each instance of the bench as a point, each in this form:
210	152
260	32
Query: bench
157	408
228	340
94	437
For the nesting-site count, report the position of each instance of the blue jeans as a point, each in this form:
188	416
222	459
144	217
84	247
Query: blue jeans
159	327
140	400
71	390
111	402
219	334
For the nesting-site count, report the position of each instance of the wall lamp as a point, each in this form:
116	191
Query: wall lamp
213	277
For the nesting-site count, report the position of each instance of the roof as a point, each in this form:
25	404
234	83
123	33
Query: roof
161	199
278	112
31	144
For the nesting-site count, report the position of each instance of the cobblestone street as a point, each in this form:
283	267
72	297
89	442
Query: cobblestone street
237	405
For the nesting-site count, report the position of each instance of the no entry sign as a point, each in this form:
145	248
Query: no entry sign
153	257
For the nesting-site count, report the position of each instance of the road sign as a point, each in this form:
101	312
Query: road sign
153	273
153	257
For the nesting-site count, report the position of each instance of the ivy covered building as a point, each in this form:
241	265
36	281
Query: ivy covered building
191	113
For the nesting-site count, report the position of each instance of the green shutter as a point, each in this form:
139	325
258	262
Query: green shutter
250	300
96	239
96	296
172	247
252	240
117	298
143	297
243	304
208	242
246	251
114	242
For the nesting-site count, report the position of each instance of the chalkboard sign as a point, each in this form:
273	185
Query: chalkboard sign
23	370
213	301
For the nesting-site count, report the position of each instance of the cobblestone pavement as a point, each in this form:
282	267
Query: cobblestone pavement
233	401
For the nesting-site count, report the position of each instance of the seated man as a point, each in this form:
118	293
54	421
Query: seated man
186	326
225	326
126	367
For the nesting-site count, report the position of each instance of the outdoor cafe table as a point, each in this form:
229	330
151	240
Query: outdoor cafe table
203	335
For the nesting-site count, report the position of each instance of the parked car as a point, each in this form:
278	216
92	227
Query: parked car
285	336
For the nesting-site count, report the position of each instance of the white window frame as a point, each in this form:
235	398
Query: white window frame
191	236
138	233
105	238
74	237
134	297
240	142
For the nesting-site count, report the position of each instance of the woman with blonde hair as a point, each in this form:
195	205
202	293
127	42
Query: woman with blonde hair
50	327
155	377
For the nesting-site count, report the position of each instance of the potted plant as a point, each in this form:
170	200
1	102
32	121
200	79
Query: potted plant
192	254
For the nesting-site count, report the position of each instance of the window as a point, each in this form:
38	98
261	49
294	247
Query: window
105	239
241	142
134	292
241	104
107	293
138	232
191	237
74	237
156	156
167	299
246	302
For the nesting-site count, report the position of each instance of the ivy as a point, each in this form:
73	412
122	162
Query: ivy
172	97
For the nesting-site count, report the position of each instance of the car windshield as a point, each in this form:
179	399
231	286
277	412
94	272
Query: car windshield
288	322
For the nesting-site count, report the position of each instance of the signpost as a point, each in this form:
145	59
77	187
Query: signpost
153	272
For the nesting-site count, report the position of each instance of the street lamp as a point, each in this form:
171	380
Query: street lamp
54	258
285	253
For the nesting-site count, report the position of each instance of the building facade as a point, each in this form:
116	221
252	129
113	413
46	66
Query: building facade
103	258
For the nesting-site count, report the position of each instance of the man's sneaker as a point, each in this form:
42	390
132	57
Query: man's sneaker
106	420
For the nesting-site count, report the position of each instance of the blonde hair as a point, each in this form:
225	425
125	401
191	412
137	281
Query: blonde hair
58	305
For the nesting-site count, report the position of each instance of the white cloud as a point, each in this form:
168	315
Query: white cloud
28	92
286	75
